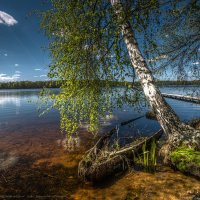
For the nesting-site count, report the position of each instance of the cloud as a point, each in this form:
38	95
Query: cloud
5	54
43	75
16	75
7	19
17	72
16	65
3	74
4	77
196	63
35	76
37	69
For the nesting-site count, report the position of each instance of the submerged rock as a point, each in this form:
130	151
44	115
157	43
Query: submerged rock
151	115
7	160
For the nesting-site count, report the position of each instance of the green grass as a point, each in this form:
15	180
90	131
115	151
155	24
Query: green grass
148	157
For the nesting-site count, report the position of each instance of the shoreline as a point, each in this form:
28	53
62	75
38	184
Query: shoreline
57	84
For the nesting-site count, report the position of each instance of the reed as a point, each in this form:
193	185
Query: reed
148	157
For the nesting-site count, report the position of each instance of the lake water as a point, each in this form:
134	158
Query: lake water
34	162
18	108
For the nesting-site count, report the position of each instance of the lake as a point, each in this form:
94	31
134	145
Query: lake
34	163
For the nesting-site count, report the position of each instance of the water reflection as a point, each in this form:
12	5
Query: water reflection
10	100
35	163
19	107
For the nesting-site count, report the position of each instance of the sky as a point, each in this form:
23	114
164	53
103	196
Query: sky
22	43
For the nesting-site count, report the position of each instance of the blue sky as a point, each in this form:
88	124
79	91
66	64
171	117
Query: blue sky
22	56
22	53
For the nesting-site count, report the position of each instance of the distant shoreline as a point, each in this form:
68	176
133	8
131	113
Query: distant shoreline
57	84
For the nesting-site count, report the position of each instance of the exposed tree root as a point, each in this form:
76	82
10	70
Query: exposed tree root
186	136
94	152
99	164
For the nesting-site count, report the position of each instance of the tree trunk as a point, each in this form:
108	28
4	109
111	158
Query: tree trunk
176	131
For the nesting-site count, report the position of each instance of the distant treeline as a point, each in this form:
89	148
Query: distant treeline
57	84
29	84
165	82
48	84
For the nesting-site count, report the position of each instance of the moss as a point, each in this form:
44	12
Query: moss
185	158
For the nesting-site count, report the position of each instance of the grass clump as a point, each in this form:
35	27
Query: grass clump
148	157
185	158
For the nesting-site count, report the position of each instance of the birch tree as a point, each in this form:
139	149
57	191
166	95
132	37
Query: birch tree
94	43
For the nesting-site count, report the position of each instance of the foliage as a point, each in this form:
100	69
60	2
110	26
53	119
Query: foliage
176	44
153	153
86	47
183	158
145	155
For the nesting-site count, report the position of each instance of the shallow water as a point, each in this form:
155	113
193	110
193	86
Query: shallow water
35	165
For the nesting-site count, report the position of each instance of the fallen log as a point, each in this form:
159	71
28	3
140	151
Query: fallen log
137	145
112	166
110	163
182	97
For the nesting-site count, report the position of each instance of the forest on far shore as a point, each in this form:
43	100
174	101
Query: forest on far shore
57	84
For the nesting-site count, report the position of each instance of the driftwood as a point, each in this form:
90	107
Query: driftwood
182	97
99	164
93	152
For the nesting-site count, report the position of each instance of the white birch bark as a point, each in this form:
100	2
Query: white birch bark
172	126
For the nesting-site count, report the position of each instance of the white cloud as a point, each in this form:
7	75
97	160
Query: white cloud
196	63
37	69
4	77
7	19
35	76
16	75
3	74
16	65
17	72
43	75
5	54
